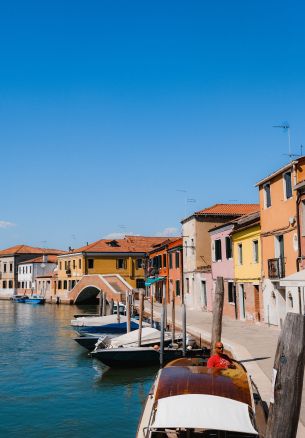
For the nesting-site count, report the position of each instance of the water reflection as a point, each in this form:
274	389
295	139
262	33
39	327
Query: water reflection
56	389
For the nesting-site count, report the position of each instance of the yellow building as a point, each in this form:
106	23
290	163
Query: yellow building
122	256
247	266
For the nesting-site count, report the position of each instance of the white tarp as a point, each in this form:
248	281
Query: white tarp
201	411
149	335
85	321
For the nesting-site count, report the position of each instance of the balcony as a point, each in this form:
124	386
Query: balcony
276	268
68	272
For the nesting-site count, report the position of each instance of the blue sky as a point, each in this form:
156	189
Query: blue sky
109	108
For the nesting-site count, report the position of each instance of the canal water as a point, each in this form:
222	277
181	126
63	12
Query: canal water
49	387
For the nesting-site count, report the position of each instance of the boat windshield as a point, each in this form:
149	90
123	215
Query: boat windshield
199	434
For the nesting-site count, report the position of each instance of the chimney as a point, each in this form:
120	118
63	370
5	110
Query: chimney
45	258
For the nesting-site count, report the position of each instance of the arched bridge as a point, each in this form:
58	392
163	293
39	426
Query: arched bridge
90	286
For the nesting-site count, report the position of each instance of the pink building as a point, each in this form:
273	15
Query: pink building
223	266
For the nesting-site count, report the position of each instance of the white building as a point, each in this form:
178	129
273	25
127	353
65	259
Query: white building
29	270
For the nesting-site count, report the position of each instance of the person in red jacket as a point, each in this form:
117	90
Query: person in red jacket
219	359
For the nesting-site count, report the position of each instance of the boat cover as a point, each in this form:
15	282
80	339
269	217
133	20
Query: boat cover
202	411
91	321
148	335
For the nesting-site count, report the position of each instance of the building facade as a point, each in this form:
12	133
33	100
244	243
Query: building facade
281	243
197	257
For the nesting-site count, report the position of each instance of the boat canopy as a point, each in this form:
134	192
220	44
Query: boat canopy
201	411
151	280
148	334
97	320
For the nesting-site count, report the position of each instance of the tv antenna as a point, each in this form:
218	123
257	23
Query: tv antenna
286	128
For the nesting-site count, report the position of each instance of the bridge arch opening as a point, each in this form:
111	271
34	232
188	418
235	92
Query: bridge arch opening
88	295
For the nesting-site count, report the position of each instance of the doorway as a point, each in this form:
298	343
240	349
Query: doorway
242	310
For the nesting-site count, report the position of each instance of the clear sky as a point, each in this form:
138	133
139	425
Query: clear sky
109	108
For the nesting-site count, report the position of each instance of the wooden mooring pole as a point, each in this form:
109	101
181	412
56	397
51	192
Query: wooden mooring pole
118	311
184	330
217	312
111	306
151	306
162	336
104	303
141	308
100	303
288	375
128	311
173	320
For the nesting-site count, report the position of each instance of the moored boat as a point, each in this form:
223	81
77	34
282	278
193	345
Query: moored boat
190	400
104	324
19	298
34	299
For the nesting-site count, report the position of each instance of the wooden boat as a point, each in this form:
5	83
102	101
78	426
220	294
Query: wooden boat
140	356
190	400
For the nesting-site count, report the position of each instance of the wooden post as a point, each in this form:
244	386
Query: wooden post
288	379
104	303
100	303
118	311
141	316
173	320
111	306
164	304
184	329
162	337
128	311
217	312
151	306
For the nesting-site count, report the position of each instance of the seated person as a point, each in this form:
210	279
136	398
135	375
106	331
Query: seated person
219	359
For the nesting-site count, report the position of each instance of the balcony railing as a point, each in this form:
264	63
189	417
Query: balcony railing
276	268
68	272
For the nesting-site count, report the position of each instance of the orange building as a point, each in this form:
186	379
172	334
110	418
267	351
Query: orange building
279	236
165	268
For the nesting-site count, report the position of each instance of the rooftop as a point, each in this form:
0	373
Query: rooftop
25	249
50	259
228	210
130	244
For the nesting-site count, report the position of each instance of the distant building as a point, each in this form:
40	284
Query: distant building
30	270
197	258
9	262
125	257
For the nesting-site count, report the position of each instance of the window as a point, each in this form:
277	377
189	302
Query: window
121	264
30	269
177	288
255	251
66	265
231	292
267	195
170	260
217	250
164	260
177	260
160	261
228	248
140	283
65	284
11	267
287	185
19	270
79	263
90	263
74	264
240	254
139	263
60	265
4	267
10	284
203	294
187	285
4	284
59	284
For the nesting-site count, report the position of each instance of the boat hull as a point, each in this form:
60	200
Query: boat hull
138	356
117	328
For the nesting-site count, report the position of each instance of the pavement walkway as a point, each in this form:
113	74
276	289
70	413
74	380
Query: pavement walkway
252	344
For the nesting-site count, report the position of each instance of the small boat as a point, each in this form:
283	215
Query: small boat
190	400
19	298
149	337
104	324
34	299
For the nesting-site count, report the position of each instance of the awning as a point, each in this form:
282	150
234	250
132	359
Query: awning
201	411
152	280
296	279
